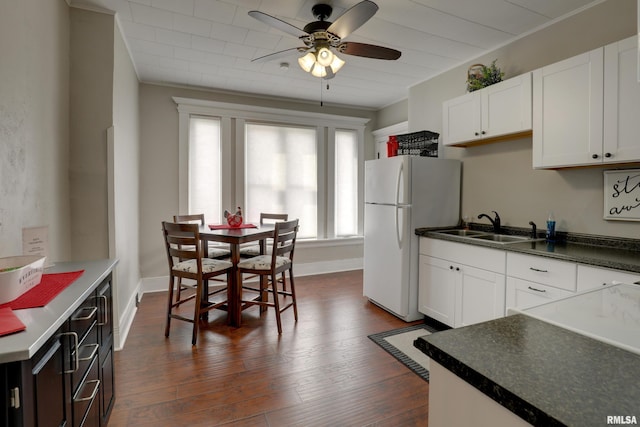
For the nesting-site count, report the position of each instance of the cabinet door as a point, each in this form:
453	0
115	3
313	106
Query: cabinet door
506	107
461	119
594	277
49	397
480	296
621	102
436	289
524	294
567	111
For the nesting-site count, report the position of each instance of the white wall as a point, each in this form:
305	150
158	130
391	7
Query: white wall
124	206
500	176
34	123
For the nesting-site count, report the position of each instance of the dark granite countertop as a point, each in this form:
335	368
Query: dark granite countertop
599	251
545	374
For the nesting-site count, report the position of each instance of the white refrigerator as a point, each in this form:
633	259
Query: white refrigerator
401	194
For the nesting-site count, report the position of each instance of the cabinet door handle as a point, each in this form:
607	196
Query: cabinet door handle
594	156
607	155
94	350
105	318
538	270
96	386
537	290
476	134
75	350
92	311
483	132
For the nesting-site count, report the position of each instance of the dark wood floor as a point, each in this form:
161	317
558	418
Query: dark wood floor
322	371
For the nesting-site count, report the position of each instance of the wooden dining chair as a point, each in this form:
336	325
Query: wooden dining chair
280	261
184	254
214	251
252	250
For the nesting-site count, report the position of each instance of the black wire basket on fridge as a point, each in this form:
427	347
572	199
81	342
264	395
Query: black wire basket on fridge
423	143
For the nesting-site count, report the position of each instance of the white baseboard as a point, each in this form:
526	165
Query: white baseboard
159	284
121	331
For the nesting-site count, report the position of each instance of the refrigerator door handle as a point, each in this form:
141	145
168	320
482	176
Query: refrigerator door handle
399	229
398	182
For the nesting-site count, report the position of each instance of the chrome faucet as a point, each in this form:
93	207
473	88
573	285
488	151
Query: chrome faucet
534	230
495	221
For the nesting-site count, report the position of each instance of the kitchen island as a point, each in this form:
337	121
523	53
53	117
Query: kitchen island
61	367
544	374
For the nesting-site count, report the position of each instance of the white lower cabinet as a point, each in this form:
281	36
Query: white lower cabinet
460	293
592	277
524	294
534	280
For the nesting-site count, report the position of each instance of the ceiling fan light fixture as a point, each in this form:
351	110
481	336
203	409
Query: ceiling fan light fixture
307	62
336	64
325	56
318	71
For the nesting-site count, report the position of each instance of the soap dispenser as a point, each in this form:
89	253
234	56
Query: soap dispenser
551	228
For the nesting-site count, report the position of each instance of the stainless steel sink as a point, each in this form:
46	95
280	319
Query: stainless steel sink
463	233
501	238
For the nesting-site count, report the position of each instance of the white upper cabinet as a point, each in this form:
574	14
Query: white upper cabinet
493	112
586	109
621	102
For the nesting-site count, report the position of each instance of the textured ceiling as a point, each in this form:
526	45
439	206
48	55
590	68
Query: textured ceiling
210	43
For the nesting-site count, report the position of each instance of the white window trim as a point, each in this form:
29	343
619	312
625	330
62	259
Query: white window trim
233	118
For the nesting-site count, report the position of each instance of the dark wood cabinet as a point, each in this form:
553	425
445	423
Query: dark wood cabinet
69	382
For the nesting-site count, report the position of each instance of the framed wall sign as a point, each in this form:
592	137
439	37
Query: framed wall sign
622	195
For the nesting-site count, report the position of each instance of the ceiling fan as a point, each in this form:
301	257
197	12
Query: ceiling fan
321	38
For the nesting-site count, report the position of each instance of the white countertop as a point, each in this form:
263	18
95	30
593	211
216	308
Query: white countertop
610	314
43	322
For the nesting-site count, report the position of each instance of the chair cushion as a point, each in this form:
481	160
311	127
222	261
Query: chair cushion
218	252
263	262
254	250
208	266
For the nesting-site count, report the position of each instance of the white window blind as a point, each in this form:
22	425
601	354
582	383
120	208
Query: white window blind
346	183
204	168
281	173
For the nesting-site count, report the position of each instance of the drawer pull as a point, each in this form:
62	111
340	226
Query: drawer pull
76	348
96	386
537	290
105	319
93	352
92	312
538	270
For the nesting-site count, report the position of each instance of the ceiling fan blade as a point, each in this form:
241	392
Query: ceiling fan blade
278	23
368	50
353	18
281	54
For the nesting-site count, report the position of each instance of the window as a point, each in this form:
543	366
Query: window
281	173
204	168
346	183
307	165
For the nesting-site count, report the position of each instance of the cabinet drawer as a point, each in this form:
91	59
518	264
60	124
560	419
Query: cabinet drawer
560	274
86	395
467	254
523	294
593	277
84	318
83	356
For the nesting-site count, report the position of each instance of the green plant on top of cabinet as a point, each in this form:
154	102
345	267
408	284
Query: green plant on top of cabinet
586	109
489	114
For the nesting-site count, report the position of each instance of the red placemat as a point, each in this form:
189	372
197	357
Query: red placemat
50	286
9	322
228	227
